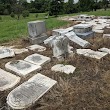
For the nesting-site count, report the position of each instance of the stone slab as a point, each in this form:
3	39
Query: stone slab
106	35
106	50
5	53
73	37
37	48
22	68
20	51
37	59
7	80
99	31
91	53
63	68
29	92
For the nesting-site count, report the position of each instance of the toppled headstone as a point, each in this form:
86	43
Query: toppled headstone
98	31
22	68
106	50
28	93
19	51
91	53
61	32
59	45
5	53
63	68
37	32
83	30
37	48
7	80
73	37
37	59
106	35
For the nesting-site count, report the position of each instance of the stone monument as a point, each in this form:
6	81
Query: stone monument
37	32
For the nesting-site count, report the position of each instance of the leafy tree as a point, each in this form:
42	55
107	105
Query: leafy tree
55	7
25	13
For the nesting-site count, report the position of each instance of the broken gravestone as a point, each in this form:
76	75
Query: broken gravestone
59	44
91	53
63	68
5	53
73	37
7	80
37	31
37	59
37	48
106	50
28	93
22	68
83	30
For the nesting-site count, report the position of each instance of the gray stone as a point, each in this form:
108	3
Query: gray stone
5	53
37	59
106	50
73	37
91	53
83	30
37	30
7	80
22	68
106	35
28	93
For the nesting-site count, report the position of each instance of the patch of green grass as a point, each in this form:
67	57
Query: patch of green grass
11	28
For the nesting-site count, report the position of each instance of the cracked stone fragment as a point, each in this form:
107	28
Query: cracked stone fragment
22	68
106	50
63	68
30	91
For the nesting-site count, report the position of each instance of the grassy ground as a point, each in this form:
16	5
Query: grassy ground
11	28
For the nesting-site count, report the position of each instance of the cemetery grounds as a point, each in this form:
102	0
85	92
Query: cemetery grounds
88	88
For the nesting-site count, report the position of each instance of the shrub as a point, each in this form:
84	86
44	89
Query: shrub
12	14
6	12
25	13
0	18
37	15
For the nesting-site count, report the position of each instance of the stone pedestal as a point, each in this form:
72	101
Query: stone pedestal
37	30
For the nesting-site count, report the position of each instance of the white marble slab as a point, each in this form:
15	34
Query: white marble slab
20	51
106	50
22	68
91	53
73	37
5	53
7	80
37	59
63	68
29	92
36	48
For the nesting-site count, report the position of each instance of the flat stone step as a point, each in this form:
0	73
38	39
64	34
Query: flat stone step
29	92
21	67
7	80
37	59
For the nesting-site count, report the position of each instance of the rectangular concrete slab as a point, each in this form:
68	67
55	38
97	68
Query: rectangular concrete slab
7	80
73	37
36	47
37	59
91	53
5	53
22	68
29	92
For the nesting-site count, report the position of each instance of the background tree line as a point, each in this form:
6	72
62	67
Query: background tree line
53	7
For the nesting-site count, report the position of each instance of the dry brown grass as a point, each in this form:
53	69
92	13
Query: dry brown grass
87	89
